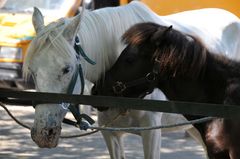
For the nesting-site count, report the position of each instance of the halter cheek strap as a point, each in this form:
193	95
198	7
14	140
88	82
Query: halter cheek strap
80	51
79	72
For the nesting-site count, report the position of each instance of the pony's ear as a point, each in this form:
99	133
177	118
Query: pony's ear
160	34
72	28
37	20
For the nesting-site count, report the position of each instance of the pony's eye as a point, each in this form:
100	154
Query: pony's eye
66	69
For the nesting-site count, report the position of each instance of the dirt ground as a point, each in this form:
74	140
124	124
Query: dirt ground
16	142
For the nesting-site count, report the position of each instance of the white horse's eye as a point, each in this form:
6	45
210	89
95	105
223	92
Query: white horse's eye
67	69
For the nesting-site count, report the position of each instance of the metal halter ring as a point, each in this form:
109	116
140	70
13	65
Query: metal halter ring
150	77
119	87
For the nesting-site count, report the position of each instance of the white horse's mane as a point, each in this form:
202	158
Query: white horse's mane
100	36
103	28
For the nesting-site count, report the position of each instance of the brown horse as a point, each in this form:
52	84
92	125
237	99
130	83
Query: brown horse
180	65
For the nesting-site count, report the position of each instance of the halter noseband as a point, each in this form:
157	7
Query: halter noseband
119	87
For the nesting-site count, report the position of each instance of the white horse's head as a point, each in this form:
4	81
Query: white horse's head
51	60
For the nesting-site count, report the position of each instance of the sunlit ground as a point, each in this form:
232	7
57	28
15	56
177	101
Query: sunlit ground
15	142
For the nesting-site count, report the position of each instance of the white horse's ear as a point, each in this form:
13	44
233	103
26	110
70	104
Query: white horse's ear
70	31
37	20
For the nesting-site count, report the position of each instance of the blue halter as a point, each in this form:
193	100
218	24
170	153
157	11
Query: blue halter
74	108
79	53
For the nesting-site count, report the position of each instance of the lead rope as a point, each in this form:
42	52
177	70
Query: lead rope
62	136
15	119
29	128
130	129
94	131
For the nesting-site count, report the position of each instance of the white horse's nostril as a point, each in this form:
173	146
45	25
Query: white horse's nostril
65	106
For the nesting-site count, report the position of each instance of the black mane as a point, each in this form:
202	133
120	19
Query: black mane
178	54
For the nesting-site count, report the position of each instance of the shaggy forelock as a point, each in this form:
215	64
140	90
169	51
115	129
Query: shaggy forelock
51	35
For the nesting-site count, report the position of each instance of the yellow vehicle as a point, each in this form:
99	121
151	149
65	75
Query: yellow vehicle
164	7
16	30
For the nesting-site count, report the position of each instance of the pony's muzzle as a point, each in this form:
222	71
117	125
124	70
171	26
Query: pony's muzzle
119	88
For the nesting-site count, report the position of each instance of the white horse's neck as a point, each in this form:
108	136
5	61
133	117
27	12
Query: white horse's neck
101	30
100	34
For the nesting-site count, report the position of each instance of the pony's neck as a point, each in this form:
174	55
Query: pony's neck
221	67
100	34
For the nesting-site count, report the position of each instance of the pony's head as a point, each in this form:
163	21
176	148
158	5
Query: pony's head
51	61
152	52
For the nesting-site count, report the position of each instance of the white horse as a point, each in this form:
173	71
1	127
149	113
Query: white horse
51	58
138	118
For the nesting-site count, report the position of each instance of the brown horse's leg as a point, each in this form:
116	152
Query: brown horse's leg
218	155
232	135
234	152
217	141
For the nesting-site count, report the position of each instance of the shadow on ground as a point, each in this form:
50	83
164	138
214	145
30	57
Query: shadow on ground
16	143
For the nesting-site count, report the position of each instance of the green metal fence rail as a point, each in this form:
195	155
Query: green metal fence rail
26	98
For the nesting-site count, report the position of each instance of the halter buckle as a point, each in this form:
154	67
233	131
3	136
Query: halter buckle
119	87
77	41
151	77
